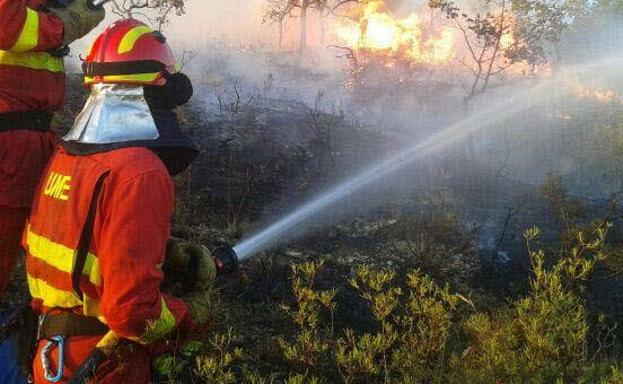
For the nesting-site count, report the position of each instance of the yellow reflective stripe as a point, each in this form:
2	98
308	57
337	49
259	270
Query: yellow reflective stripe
61	257
146	77
157	329
29	37
138	78
91	307
90	48
50	296
32	60
130	38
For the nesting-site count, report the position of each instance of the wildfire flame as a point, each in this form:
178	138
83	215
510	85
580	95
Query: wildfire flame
379	32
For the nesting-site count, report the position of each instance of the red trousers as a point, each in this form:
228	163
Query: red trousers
130	364
23	157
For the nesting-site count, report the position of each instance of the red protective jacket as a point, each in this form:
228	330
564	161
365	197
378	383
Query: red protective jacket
30	78
121	279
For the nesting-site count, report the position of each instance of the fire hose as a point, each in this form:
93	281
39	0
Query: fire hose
226	261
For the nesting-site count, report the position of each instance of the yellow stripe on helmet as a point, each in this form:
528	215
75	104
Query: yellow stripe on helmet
140	78
131	37
29	37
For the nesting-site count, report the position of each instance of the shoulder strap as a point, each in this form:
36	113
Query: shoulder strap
85	237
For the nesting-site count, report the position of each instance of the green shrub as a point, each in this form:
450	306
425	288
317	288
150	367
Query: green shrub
424	333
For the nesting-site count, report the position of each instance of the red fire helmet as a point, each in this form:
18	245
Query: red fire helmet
129	52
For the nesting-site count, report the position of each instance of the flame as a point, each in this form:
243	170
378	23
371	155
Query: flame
378	32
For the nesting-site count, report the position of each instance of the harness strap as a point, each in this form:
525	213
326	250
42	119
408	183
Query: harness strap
32	120
122	68
71	324
85	238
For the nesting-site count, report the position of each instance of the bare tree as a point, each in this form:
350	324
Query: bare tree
510	32
340	4
276	12
543	22
483	37
155	12
321	8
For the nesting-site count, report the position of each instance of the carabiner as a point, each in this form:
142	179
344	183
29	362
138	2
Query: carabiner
59	342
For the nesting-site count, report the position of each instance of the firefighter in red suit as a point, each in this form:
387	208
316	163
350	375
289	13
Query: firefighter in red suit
99	230
32	87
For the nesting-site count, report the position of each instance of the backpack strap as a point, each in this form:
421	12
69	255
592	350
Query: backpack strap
86	236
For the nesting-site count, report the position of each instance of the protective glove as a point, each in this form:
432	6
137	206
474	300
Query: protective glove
191	261
79	18
200	306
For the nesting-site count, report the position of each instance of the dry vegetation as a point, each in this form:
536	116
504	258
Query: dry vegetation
406	293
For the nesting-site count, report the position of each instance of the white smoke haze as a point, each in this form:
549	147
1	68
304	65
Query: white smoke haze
561	126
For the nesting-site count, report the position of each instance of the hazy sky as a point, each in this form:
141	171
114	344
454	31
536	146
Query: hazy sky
238	19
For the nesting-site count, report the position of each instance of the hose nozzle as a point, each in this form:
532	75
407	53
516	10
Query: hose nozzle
226	259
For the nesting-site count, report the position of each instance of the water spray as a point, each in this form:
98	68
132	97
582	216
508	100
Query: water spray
502	110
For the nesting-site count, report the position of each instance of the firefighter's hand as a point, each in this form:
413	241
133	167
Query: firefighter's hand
194	262
79	18
199	306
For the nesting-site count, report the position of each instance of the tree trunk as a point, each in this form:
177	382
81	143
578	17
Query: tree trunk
303	39
280	34
321	23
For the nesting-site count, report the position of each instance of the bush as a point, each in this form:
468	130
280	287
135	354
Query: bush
425	333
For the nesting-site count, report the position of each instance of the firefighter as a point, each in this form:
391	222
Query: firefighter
32	86
97	236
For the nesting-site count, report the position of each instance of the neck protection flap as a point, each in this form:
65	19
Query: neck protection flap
114	113
126	119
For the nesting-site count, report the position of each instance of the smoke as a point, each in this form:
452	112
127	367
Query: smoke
483	125
570	134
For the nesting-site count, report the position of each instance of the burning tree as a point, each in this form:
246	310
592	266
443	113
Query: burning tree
403	53
493	37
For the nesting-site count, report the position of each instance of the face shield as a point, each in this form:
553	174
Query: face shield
114	113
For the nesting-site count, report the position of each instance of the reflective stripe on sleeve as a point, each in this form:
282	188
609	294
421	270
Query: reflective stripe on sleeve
159	328
32	60
29	37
